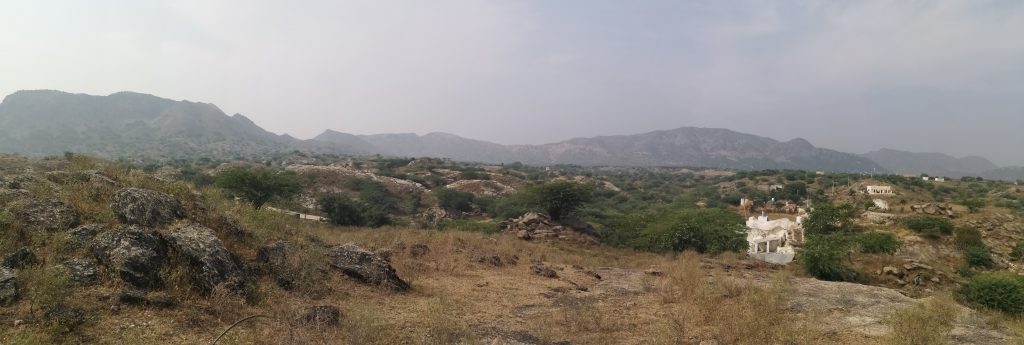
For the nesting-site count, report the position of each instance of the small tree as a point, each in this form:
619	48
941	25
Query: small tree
703	230
258	185
342	210
558	198
827	257
828	218
453	200
973	205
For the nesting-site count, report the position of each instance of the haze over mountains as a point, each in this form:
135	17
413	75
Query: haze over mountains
128	124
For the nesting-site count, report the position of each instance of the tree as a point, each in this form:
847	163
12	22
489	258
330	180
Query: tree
827	257
258	185
827	218
703	230
558	198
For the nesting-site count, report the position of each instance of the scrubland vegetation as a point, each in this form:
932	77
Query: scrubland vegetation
669	268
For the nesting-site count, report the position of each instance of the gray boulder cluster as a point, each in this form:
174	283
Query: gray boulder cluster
143	207
539	226
934	209
365	266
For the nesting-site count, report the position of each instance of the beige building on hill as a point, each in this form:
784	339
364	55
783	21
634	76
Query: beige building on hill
879	190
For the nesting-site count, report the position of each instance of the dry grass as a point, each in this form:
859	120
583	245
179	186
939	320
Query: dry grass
924	323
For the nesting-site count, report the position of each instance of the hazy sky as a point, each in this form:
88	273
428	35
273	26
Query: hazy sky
850	75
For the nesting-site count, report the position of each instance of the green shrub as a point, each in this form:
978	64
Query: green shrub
1018	251
374	193
1002	291
973	205
932	227
703	230
453	200
826	257
877	243
967	237
978	256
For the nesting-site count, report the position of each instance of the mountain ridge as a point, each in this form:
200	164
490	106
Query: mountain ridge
131	124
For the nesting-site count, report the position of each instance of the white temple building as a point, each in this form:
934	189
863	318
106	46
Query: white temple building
773	240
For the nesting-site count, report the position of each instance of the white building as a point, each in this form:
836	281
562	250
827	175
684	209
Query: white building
773	240
880	190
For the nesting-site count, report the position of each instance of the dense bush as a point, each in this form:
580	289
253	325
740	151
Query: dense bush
1018	251
826	257
967	237
1002	291
703	230
877	243
973	205
929	226
978	256
375	194
259	185
342	210
827	218
557	198
453	200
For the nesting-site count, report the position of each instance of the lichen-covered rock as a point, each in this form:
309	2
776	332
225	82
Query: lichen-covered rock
145	207
21	258
9	195
274	258
136	255
45	215
365	266
8	287
81	272
209	263
81	235
322	315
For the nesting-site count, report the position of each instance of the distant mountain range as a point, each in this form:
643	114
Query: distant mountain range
128	124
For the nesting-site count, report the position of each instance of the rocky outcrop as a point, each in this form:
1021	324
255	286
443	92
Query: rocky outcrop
539	226
864	310
210	264
81	272
9	292
365	266
481	187
9	195
136	206
274	258
45	215
135	255
81	235
21	258
934	209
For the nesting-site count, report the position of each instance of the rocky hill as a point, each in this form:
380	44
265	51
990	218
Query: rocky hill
687	146
128	124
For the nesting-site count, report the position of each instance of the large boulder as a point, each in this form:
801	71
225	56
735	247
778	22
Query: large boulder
210	264
365	266
136	255
8	287
45	215
136	206
81	235
21	258
274	258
